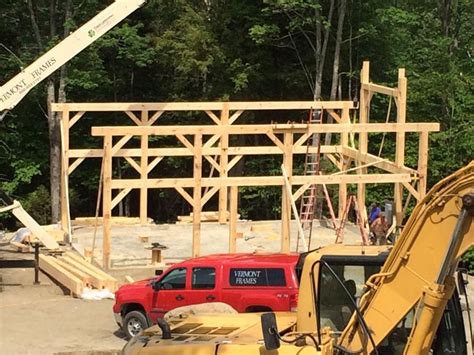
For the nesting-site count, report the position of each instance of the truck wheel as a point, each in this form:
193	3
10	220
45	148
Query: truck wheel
133	323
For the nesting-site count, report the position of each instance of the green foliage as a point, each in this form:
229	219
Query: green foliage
241	50
468	259
38	205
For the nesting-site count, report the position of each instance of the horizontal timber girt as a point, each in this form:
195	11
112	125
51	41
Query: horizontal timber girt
263	129
200	106
262	181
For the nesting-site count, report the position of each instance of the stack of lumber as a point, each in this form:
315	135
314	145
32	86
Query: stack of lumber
74	272
206	216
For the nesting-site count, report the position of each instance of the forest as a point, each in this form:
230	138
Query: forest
224	50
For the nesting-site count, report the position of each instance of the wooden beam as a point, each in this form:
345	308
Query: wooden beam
155	117
265	129
400	144
119	197
132	117
363	136
186	143
200	106
235	116
375	88
119	145
207	196
213	116
74	165
28	221
181	152
422	164
381	163
133	164
286	198
107	202
265	180
233	162
75	119
234	191
49	265
185	194
197	175
223	162
154	163
143	172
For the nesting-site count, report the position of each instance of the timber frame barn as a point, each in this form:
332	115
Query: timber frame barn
210	144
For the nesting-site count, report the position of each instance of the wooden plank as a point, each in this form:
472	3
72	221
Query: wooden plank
132	117
363	137
133	163
49	265
75	119
28	221
213	116
264	129
199	106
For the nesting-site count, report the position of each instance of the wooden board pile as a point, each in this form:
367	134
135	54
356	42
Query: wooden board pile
74	272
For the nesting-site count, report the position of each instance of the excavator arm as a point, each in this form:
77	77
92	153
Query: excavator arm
418	274
14	90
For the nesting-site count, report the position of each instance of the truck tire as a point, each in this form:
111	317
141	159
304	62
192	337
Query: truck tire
133	323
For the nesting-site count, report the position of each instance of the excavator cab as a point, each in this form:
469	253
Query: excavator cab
341	285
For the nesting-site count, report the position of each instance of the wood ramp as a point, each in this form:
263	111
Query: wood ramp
74	273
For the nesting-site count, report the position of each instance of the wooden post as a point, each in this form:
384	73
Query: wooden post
144	171
65	217
197	195
364	109
344	143
224	159
285	199
422	164
400	144
234	192
107	202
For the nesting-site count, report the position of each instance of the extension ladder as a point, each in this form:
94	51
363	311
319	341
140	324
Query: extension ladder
310	201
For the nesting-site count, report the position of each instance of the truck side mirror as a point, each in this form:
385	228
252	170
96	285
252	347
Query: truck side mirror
270	331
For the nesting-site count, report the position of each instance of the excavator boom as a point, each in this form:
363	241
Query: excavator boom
418	274
14	90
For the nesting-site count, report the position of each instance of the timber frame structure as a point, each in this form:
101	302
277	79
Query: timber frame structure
211	143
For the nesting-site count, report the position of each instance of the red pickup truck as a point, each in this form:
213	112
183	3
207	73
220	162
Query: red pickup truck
247	282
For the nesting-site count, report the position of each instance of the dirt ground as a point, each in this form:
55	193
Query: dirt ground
41	319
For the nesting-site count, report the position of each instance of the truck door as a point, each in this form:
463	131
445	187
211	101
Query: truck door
171	293
203	286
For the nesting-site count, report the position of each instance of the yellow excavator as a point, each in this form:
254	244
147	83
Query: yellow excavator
348	304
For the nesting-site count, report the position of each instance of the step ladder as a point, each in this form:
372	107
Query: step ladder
312	200
351	203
